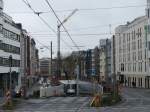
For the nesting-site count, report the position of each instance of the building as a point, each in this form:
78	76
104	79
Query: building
132	43
15	43
32	62
44	67
88	61
23	63
105	60
95	63
78	57
10	35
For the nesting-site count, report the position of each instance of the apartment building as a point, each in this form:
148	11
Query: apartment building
132	46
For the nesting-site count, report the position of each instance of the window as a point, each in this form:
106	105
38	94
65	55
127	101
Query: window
140	43
134	35
124	37
1	61
135	67
149	45
11	35
122	67
5	62
9	48
141	67
149	62
141	82
1	28
145	53
140	32
145	67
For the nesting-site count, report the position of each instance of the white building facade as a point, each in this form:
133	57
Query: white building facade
9	46
132	47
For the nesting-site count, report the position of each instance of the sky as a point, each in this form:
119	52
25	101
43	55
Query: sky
86	27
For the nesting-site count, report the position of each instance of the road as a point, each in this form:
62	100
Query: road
135	100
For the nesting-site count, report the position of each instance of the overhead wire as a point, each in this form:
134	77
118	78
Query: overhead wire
62	24
86	9
38	14
84	34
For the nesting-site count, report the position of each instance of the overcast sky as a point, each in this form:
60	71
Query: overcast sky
83	22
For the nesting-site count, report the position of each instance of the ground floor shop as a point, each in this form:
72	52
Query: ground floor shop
139	81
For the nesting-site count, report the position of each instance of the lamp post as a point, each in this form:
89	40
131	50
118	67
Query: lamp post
58	41
10	65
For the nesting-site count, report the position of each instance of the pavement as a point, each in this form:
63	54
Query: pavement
135	100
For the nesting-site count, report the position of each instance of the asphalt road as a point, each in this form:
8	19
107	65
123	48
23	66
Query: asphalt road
135	100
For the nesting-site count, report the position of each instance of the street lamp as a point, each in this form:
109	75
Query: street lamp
58	36
10	66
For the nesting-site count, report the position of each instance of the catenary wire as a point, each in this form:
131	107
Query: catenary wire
83	9
38	14
62	24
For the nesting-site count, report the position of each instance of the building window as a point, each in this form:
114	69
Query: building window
145	67
149	45
11	35
9	48
134	35
141	67
138	44
140	32
1	28
149	62
135	67
145	53
122	67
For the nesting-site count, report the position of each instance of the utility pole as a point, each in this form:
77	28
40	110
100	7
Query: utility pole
10	65
77	79
58	42
114	68
51	58
58	53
